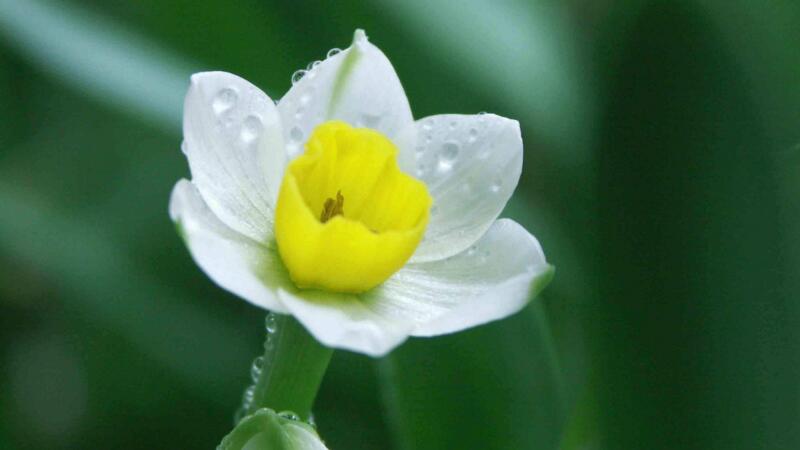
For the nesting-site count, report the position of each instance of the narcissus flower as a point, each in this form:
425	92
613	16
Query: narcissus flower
337	207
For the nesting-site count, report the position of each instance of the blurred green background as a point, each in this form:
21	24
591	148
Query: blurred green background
662	176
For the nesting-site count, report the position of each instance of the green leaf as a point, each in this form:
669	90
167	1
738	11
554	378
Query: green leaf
109	289
99	57
494	387
697	334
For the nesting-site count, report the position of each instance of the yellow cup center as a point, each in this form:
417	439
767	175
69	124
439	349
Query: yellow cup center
347	218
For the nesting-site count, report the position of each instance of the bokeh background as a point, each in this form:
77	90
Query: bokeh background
662	176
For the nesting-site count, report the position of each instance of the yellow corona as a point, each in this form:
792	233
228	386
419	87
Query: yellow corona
347	217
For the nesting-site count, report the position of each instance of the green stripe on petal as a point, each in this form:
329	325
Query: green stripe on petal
346	69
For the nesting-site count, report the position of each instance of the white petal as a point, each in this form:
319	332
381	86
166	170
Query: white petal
346	321
471	165
489	281
233	140
358	86
236	263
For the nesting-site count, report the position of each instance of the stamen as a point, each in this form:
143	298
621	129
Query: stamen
332	208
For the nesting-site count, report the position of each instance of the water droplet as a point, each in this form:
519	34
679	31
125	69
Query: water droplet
312	421
257	368
239	415
420	169
333	52
247	396
224	100
184	147
428	138
271	323
496	185
298	75
448	155
298	114
371	120
312	65
453	125
296	134
473	135
289	415
268	344
305	98
471	251
427	125
420	149
251	128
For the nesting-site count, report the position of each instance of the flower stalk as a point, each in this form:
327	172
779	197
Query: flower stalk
290	373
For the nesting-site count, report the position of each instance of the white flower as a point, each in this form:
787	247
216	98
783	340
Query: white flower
468	269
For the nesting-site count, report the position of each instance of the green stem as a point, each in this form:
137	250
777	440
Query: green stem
294	364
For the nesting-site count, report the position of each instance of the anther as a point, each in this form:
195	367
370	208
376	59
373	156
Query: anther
332	207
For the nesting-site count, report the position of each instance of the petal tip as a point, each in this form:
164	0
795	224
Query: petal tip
198	77
542	280
175	201
359	36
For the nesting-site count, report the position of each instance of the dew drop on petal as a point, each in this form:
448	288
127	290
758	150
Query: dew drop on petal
473	135
224	100
496	185
251	128
296	134
298	114
371	120
333	52
448	155
298	75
